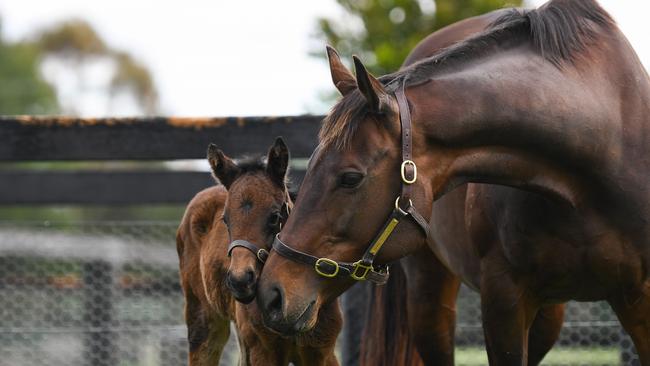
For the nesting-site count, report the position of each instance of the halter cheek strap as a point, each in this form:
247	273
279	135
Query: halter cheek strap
365	269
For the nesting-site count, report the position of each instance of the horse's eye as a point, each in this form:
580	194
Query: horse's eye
274	220
224	218
350	179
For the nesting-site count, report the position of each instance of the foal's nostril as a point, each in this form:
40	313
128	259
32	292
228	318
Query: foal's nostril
241	282
250	276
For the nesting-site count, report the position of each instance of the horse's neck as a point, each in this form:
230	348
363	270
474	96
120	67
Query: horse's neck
517	120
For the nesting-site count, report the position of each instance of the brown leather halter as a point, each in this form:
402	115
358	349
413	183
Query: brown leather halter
365	269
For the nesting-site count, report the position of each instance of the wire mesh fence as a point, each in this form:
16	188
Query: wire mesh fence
107	293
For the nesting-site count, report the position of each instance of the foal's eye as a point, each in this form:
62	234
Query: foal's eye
201	227
350	179
274	220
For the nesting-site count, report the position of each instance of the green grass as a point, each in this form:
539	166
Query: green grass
470	356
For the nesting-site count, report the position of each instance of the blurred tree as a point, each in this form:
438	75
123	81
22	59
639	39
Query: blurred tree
74	45
76	42
22	87
383	32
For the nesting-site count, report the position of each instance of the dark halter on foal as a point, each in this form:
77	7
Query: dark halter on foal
365	269
261	253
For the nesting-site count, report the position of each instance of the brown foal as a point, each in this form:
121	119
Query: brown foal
217	266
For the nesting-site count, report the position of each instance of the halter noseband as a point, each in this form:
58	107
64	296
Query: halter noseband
364	268
261	253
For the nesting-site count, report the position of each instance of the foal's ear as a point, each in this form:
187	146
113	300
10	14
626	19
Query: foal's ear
223	168
370	87
278	162
342	78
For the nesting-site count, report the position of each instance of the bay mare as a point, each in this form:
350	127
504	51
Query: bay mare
553	101
404	330
248	206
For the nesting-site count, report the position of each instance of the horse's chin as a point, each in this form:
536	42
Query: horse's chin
304	322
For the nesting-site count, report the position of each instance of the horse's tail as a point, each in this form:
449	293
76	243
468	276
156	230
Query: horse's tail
386	340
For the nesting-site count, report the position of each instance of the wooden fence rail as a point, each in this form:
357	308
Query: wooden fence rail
28	139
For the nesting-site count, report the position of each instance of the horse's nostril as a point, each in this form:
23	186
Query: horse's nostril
274	304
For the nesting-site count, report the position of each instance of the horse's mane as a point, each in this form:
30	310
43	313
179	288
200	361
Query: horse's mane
560	31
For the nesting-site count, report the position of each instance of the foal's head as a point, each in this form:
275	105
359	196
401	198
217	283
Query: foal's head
257	205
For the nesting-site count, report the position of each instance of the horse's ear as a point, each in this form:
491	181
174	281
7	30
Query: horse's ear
223	168
342	78
370	87
278	162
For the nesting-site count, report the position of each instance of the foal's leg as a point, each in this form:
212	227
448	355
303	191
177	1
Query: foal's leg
544	332
431	307
508	313
634	314
206	336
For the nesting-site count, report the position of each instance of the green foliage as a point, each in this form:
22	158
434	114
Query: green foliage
383	32
22	87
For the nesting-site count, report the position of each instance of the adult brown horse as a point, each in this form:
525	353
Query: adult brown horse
222	241
553	101
401	320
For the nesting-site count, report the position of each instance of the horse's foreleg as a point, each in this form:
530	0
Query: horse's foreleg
544	332
508	313
432	292
634	313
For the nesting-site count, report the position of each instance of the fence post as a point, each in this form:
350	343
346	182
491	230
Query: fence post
99	342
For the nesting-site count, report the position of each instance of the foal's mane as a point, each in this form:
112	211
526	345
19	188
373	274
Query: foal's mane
258	164
252	164
560	31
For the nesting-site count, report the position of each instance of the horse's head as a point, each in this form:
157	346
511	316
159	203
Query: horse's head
257	205
348	193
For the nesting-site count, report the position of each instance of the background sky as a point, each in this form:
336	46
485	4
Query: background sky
231	58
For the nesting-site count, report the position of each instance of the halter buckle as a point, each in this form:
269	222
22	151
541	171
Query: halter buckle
366	268
403	171
262	255
327	261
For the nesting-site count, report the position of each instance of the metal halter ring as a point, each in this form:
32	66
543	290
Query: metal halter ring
262	254
403	171
330	262
397	206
